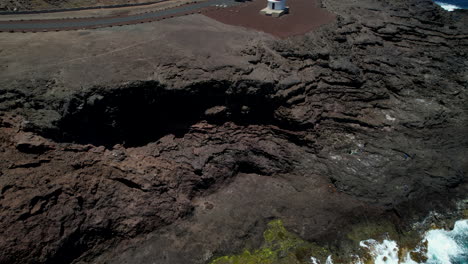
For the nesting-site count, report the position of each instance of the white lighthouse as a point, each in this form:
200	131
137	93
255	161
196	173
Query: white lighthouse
275	8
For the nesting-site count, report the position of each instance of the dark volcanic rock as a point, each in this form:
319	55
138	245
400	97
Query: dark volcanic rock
366	117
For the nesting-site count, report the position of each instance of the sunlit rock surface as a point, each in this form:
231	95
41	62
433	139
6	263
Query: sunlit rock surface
179	141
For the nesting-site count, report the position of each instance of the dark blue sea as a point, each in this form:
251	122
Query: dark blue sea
451	5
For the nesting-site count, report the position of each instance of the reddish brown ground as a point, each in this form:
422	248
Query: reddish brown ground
304	16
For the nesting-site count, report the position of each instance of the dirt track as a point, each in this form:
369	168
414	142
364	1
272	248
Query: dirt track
124	19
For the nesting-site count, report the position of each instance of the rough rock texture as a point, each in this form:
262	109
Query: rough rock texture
366	117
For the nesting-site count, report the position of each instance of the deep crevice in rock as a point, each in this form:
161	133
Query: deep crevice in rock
146	111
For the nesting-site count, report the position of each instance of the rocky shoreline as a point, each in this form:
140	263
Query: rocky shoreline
362	119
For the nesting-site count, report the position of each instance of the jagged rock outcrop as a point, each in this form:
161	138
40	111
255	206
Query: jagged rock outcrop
365	116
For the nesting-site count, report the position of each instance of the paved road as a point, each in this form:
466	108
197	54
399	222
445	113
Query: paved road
66	24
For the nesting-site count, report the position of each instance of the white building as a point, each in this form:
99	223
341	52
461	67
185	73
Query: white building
275	8
277	4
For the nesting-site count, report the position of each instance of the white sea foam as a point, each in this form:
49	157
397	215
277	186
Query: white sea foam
382	253
443	247
314	260
446	247
448	7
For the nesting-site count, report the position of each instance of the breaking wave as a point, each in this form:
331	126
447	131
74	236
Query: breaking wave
452	5
437	247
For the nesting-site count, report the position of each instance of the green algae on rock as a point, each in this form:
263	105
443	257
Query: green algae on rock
279	247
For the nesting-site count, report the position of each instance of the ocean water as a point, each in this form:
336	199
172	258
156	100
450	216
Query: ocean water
438	246
451	5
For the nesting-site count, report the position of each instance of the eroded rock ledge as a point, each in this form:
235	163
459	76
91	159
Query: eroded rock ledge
364	117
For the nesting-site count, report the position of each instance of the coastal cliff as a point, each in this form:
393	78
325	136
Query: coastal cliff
363	118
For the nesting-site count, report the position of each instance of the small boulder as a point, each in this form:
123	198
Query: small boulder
29	143
216	113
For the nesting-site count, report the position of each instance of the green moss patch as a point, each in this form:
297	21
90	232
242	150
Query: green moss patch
279	247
